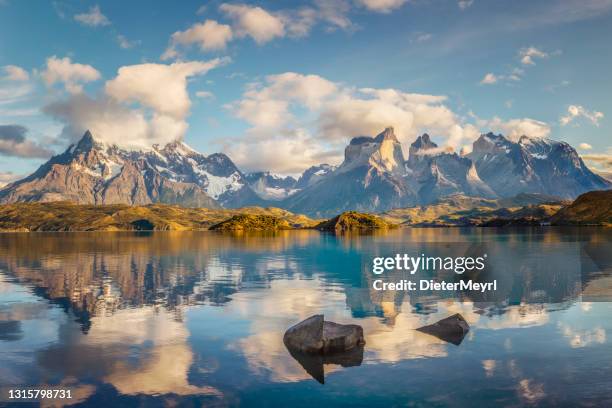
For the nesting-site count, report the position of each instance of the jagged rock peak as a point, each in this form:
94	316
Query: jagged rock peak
87	142
387	134
361	140
180	147
423	142
491	135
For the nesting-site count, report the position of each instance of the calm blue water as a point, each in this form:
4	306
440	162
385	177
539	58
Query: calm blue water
197	318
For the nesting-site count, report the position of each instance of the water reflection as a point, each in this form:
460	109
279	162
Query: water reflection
178	315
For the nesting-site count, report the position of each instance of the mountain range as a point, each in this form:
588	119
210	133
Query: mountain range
374	176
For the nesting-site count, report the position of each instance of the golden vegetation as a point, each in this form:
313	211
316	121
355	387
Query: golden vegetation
468	211
354	221
65	216
592	208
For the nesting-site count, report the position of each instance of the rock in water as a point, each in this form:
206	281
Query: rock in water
341	337
306	336
451	329
314	335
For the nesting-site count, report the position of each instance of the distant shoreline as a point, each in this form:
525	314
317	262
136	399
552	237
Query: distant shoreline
592	209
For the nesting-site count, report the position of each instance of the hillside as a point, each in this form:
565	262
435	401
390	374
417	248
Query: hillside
354	221
251	222
593	208
460	210
63	216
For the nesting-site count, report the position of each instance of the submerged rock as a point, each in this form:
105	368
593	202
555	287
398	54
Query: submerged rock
306	336
451	329
314	335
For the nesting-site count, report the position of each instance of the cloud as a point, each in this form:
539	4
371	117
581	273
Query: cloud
259	24
14	92
555	87
382	6
528	54
601	163
209	35
420	36
577	111
298	23
515	128
205	95
8	177
465	4
561	12
585	146
287	152
489	79
292	112
254	22
13	142
72	75
267	106
126	44
93	18
334	12
144	104
160	87
15	73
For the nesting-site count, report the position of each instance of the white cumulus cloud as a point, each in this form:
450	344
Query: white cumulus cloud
255	22
585	146
158	86
528	54
292	112
578	111
144	104
515	128
489	79
382	6
209	35
72	75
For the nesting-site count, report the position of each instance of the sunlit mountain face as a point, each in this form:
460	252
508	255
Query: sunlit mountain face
374	176
178	315
234	103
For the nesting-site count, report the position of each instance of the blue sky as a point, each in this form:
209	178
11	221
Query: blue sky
282	85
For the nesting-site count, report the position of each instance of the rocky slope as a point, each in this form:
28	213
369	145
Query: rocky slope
461	210
91	172
532	165
271	186
374	176
439	173
371	178
593	208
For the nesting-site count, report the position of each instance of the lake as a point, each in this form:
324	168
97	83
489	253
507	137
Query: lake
197	318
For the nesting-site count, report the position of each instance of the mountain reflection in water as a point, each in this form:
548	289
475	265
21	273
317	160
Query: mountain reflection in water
198	317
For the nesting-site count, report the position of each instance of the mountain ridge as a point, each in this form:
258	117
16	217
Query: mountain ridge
374	176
